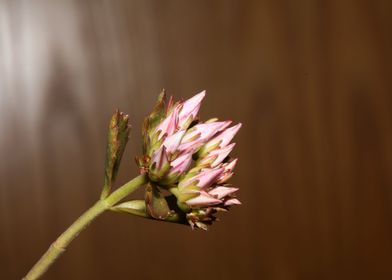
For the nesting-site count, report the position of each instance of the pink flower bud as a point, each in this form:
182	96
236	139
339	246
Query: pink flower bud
190	109
224	138
159	158
221	191
228	173
169	124
232	201
203	199
159	164
215	157
180	164
173	141
198	135
205	178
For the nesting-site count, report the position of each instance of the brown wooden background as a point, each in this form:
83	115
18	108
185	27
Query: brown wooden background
310	80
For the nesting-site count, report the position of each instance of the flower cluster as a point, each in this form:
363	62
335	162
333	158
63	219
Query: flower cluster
190	158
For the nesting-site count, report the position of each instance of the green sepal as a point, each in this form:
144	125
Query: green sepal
187	123
203	162
211	120
153	143
183	195
156	204
158	111
151	121
170	179
138	208
134	207
191	173
203	151
118	136
190	192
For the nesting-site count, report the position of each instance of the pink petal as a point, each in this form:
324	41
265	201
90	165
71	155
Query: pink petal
203	199
221	191
172	142
224	177
225	125
169	124
206	130
227	174
220	155
232	201
225	136
181	163
230	165
205	178
198	135
160	157
189	148
191	107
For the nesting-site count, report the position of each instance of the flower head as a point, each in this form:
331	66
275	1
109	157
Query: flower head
190	158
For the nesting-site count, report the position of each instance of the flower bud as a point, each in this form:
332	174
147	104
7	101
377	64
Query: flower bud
190	109
221	140
159	164
190	159
118	135
228	171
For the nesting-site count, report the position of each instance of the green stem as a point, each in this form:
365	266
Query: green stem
61	243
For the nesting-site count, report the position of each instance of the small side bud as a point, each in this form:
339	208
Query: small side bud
118	136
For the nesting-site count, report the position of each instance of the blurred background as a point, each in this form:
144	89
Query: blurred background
310	81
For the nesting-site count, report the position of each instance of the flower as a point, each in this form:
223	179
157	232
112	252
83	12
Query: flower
189	158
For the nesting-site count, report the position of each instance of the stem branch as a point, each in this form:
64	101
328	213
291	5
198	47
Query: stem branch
61	243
